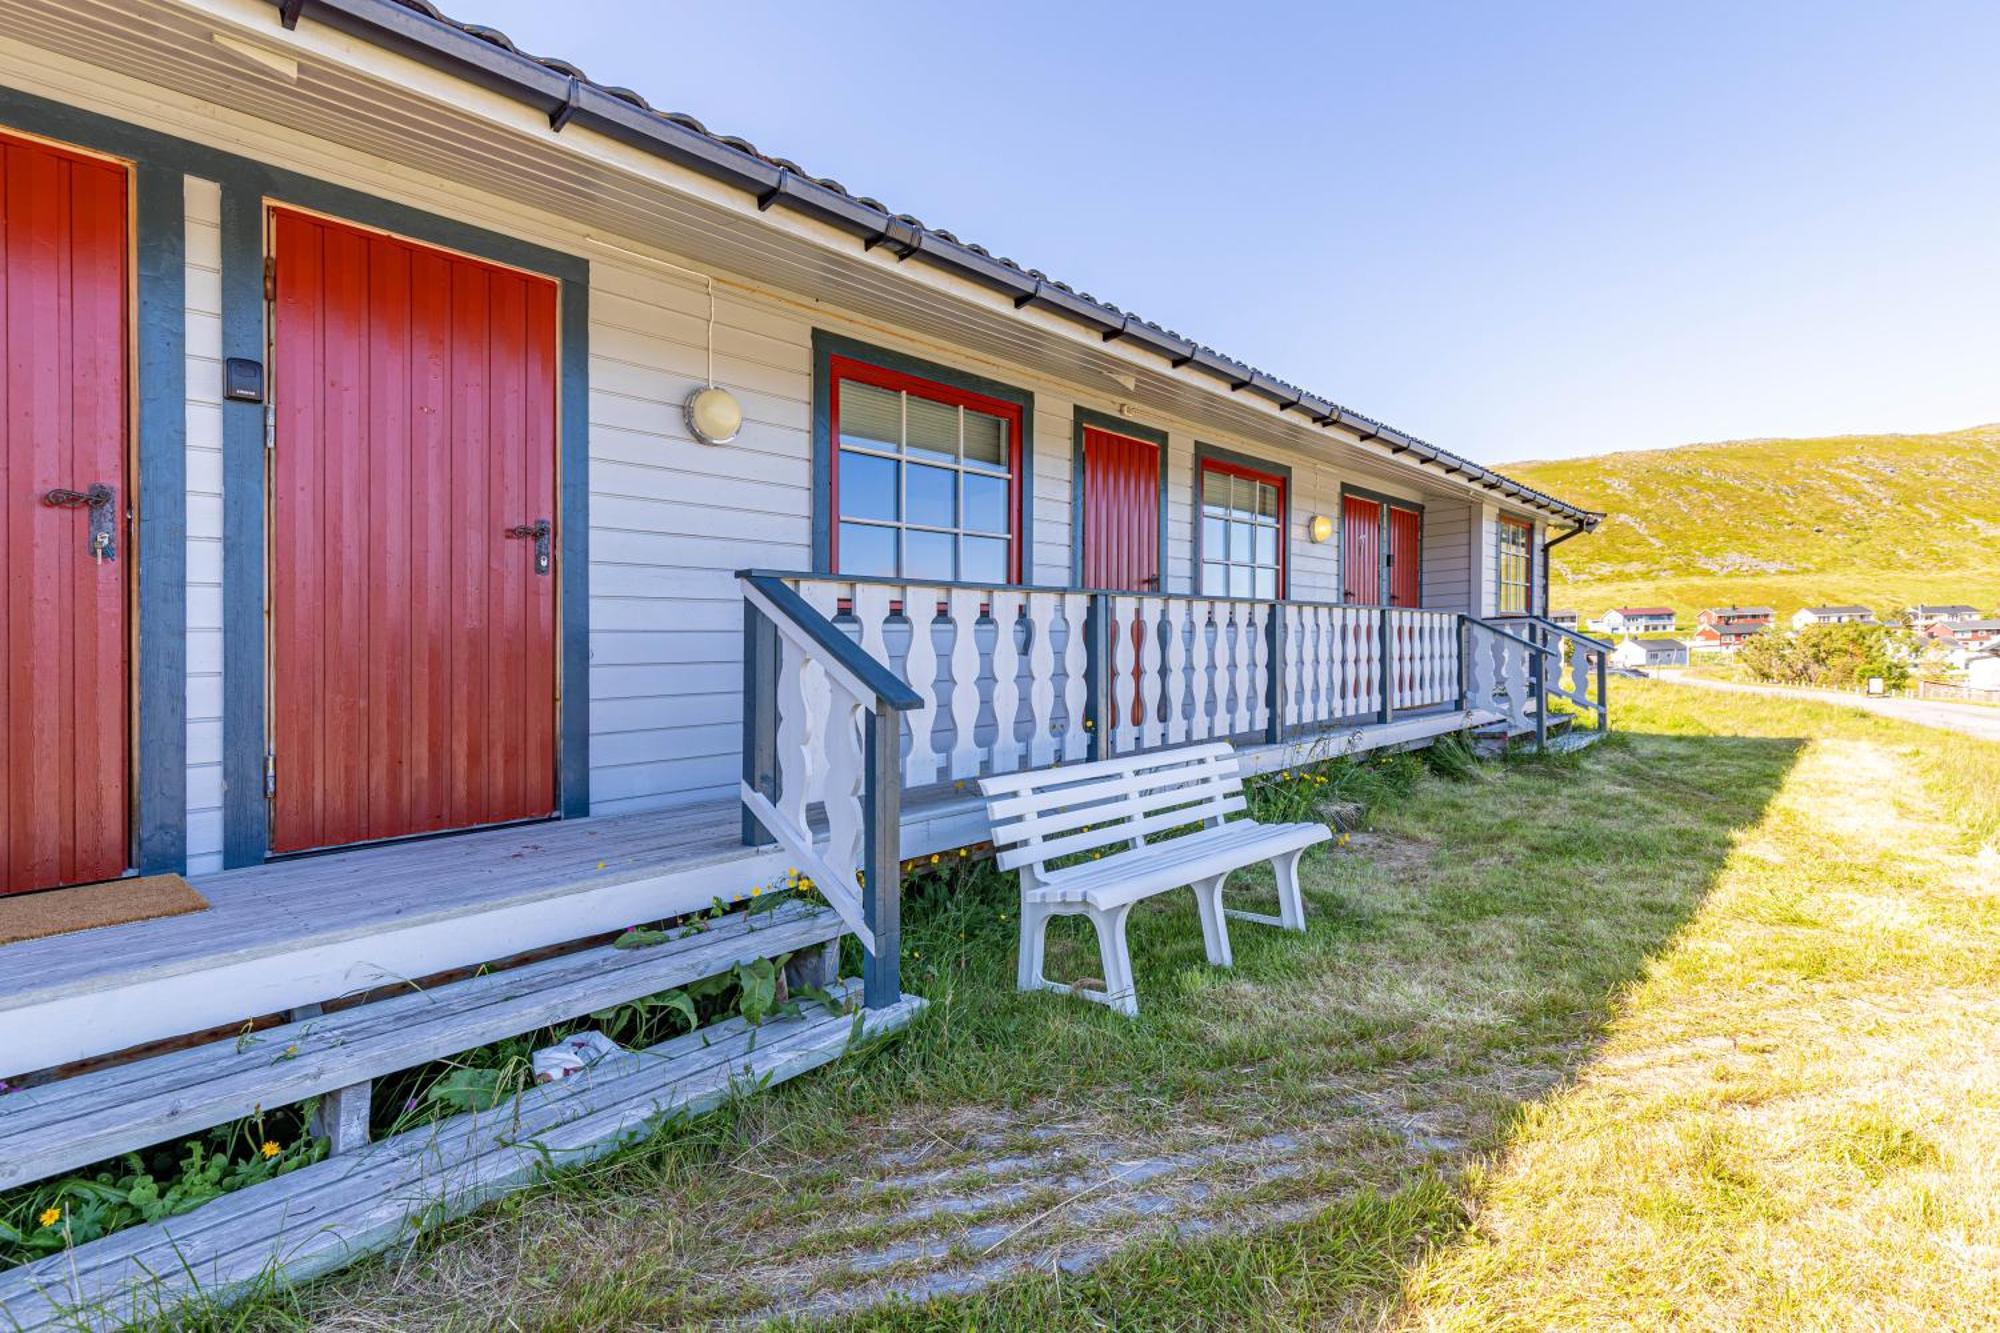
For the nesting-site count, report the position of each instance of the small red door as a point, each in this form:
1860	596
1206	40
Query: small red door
413	577
1406	556
1361	551
1121	512
64	754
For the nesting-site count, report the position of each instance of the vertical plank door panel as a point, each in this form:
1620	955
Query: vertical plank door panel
1406	561
413	640
1361	551
64	403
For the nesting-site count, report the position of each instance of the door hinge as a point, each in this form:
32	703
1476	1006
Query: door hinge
270	773
270	277
270	425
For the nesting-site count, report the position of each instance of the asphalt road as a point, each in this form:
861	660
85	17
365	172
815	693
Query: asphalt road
1970	719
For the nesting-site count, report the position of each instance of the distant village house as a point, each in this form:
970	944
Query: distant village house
1636	653
1922	617
1637	620
1832	615
1566	619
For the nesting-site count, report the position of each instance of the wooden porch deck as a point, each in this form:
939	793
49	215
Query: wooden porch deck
310	929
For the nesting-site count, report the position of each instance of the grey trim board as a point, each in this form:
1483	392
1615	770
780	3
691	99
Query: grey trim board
826	346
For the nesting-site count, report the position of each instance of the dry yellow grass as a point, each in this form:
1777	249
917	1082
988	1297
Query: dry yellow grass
1795	1120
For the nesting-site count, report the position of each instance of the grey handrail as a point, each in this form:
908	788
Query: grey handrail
881	813
1594	645
1601	655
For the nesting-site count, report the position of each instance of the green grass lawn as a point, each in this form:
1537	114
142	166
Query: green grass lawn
1698	1027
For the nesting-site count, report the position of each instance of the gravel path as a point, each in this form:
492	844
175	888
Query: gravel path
1970	719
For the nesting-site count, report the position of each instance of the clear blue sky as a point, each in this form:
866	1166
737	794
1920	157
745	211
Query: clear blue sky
1517	230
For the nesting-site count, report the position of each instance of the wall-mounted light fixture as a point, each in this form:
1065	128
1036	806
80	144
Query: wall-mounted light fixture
1320	528
711	412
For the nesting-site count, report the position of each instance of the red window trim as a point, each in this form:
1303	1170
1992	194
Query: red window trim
1228	468
844	368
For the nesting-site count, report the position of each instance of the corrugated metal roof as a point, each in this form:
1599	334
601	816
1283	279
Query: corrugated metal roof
785	181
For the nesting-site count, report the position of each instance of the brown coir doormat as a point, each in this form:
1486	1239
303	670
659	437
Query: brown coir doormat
30	916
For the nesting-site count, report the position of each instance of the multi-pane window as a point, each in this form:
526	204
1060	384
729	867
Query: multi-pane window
1242	532
1517	566
925	478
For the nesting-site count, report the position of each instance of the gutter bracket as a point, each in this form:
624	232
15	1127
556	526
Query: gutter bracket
561	115
1028	298
288	13
770	196
902	237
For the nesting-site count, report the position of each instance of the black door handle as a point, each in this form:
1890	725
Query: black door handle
540	530
101	501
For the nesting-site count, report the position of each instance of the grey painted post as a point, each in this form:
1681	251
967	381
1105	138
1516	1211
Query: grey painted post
1388	642
1603	696
1274	733
1538	692
760	717
1097	673
341	1117
882	896
1465	651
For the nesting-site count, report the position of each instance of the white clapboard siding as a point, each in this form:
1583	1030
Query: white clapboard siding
204	523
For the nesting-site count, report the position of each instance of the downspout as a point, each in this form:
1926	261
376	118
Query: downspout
1548	546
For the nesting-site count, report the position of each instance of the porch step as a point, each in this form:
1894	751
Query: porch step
58	1126
324	1216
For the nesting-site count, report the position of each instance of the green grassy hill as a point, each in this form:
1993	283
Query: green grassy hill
1878	519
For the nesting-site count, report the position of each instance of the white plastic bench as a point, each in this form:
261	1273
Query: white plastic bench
1057	813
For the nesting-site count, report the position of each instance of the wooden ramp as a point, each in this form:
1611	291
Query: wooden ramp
329	1214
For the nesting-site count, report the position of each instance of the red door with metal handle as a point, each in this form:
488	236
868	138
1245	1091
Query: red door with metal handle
412	613
1361	551
64	384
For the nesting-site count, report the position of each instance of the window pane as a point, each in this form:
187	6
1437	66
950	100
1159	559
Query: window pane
867	486
1267	545
985	503
1242	545
982	560
1267	583
1214	538
867	550
985	440
1267	501
1239	580
870	417
1214	579
1214	493
933	429
927	555
929	499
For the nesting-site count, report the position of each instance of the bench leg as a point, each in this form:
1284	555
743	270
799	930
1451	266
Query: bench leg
1120	991
1214	929
1034	937
1291	902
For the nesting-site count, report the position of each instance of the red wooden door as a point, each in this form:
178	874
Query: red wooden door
1121	512
412	637
64	748
1406	556
1361	551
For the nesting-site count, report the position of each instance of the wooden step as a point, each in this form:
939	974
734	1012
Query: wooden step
59	1126
324	1216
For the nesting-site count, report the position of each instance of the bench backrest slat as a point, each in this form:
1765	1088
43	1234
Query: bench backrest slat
1053	813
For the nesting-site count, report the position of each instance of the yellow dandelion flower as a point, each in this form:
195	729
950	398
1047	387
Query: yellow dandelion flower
270	1149
50	1216
756	889
934	858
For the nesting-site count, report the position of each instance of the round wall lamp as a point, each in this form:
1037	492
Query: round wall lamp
713	415
1320	528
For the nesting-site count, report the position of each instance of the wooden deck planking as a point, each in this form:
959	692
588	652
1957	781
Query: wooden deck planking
75	1121
326	1215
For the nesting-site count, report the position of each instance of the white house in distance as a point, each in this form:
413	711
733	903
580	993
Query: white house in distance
1642	653
1832	615
1982	671
1637	620
1922	617
1566	619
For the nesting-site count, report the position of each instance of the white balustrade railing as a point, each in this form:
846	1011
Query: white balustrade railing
1008	677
